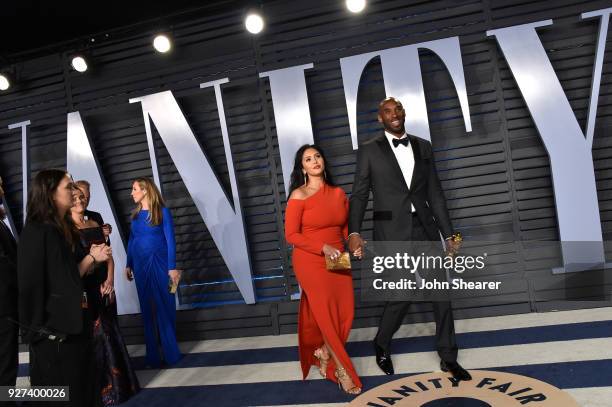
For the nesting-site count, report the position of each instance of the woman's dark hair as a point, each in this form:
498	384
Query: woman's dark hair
41	206
297	176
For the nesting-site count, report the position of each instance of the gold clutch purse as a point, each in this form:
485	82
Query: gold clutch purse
341	263
172	287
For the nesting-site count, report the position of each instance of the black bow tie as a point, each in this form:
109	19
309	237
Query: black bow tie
398	141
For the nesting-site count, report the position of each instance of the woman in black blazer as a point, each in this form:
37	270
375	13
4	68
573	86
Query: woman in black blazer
8	302
51	295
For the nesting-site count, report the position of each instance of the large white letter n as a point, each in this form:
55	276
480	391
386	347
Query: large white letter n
224	223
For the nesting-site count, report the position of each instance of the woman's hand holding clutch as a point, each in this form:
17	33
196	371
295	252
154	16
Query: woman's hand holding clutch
175	276
331	252
335	259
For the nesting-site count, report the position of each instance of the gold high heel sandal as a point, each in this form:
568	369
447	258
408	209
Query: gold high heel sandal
341	375
318	353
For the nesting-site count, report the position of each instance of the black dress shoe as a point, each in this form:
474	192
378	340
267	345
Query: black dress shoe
383	360
456	370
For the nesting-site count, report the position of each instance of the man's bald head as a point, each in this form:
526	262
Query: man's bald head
392	116
389	99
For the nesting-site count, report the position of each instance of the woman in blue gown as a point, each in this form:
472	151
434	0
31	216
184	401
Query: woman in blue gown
151	261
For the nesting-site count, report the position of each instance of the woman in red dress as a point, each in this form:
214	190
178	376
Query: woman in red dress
316	225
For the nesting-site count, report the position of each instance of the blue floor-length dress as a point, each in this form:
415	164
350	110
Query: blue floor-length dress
151	254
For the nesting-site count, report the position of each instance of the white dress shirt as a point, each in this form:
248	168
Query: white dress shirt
405	158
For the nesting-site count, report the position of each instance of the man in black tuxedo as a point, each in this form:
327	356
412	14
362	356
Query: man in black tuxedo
409	205
8	303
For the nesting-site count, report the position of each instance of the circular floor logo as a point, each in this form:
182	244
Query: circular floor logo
486	389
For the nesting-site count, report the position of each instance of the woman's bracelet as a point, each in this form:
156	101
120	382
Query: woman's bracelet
93	258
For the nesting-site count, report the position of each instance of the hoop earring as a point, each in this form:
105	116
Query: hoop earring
305	178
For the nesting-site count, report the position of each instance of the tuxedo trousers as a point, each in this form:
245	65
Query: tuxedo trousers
394	312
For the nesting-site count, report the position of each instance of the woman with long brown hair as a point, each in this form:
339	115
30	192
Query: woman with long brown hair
52	302
316	226
152	263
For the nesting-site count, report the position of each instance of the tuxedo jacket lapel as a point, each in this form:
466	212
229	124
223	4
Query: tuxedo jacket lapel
391	160
414	144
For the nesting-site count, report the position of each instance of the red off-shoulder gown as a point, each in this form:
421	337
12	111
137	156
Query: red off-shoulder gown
327	302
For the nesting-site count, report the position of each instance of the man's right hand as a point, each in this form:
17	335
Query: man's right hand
355	245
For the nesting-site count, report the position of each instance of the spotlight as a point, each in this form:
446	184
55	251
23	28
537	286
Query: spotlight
355	6
254	23
78	63
4	82
162	43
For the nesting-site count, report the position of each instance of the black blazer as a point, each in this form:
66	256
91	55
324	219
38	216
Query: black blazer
95	216
8	273
50	288
378	170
